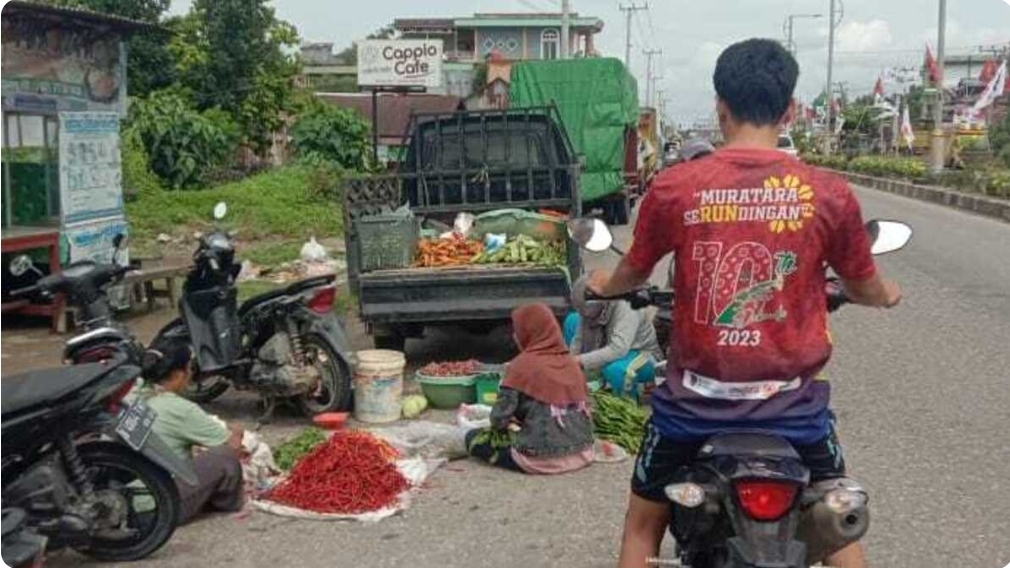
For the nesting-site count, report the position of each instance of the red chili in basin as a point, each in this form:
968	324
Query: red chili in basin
351	473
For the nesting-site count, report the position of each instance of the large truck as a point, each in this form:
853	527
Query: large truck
517	162
597	99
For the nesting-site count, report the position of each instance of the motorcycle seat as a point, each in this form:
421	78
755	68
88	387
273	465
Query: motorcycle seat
748	444
33	388
290	290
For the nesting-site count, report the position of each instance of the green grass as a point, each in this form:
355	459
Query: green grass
273	204
272	253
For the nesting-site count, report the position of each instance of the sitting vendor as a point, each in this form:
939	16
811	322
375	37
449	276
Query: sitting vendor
211	445
614	339
542	404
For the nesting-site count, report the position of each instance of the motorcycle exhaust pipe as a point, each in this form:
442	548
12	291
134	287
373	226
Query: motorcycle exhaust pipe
832	523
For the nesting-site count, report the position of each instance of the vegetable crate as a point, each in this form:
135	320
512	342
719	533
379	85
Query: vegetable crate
387	241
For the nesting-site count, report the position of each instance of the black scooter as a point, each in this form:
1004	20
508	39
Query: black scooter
284	344
747	500
86	468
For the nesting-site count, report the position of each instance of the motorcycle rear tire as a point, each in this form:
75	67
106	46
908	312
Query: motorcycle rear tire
337	383
195	391
162	489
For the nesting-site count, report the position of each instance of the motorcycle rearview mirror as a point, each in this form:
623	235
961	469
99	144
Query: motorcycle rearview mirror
21	265
888	236
117	241
220	210
591	234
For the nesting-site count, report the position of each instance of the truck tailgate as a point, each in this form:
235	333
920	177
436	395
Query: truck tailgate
482	292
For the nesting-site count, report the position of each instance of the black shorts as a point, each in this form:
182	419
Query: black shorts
659	458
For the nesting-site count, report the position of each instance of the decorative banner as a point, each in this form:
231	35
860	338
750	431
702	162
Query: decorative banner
91	179
93	241
46	64
400	63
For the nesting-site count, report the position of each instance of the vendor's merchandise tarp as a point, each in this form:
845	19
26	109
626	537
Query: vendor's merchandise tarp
597	99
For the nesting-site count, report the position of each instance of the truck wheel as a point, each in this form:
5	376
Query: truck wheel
395	342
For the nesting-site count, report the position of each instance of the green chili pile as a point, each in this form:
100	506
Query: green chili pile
291	451
619	420
352	473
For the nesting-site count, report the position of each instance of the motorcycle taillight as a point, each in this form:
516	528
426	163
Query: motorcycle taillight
765	500
322	302
114	403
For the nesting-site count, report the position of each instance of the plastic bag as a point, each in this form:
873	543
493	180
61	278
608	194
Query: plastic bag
313	251
463	224
472	416
608	452
425	439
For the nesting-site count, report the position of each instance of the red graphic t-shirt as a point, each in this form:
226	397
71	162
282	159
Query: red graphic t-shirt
752	231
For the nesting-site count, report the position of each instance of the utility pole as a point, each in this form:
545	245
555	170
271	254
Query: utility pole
566	9
833	20
630	11
788	25
937	151
648	73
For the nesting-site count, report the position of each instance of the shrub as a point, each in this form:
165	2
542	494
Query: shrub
183	145
324	133
887	166
138	178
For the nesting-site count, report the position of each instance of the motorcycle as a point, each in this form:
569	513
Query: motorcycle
284	344
86	468
747	500
21	547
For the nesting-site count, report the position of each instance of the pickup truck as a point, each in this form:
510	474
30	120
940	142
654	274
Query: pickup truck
473	162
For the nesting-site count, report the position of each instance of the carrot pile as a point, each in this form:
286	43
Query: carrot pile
453	251
351	473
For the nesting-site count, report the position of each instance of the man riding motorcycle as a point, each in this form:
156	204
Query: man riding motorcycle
751	229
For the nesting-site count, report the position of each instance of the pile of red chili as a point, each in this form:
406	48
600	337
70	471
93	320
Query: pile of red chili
351	473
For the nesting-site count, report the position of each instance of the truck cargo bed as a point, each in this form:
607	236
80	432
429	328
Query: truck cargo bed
480	292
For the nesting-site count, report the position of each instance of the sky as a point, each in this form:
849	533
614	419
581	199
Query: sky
873	34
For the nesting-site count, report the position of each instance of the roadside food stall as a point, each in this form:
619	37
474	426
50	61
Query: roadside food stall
64	93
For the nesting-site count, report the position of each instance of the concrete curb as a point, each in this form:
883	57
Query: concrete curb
980	204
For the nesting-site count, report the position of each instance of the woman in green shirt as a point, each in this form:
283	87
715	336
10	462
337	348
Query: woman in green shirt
212	445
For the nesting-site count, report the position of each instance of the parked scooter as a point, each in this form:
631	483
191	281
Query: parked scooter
284	344
747	501
88	470
21	546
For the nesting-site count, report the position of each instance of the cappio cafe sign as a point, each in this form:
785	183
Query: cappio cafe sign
400	63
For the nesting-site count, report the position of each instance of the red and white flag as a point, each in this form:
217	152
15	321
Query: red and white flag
994	90
906	129
933	67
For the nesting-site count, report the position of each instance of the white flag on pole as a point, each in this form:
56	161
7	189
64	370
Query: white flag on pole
906	128
993	90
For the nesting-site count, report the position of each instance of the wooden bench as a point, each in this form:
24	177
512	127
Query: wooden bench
141	284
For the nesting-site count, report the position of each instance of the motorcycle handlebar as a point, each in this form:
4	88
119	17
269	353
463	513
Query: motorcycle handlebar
640	298
23	291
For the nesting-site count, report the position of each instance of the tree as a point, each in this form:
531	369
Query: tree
234	55
324	133
149	64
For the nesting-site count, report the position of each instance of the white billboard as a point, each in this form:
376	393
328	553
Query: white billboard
400	63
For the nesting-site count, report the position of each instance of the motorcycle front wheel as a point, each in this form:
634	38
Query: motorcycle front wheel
334	389
144	496
201	389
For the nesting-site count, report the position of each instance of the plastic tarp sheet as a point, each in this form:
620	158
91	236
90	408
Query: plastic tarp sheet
597	99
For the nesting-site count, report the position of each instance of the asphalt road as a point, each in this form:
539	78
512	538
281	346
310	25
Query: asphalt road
921	393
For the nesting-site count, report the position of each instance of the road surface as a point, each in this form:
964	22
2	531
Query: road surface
922	393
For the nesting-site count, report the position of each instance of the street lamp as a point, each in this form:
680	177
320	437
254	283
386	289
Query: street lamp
787	27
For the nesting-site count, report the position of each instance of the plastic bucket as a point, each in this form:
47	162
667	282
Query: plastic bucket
378	385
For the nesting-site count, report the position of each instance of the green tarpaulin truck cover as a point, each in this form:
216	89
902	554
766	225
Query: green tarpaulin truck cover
597	99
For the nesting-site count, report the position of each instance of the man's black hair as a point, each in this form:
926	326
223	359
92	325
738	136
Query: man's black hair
756	79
